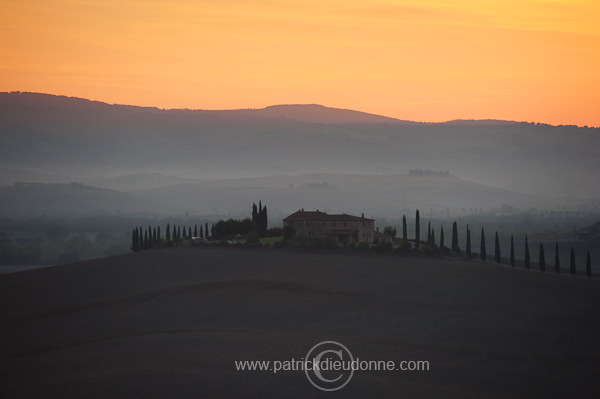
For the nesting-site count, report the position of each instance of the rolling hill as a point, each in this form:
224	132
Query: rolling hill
53	199
172	322
85	139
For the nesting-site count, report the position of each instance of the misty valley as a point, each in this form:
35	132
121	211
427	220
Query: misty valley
77	175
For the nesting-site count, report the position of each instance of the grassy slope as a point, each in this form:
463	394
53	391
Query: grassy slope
170	323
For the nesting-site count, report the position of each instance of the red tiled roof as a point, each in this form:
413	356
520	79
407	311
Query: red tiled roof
317	216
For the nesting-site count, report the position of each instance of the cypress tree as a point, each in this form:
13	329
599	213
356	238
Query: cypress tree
149	236
455	237
158	233
512	251
134	240
265	221
206	231
442	238
195	230
572	265
404	229
428	233
433	237
254	213
527	260
556	259
497	253
190	232
154	237
168	234
542	258
146	242
141	244
179	232
588	265
417	230
468	245
201	231
482	246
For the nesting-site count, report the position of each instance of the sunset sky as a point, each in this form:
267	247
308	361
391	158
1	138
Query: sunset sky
424	60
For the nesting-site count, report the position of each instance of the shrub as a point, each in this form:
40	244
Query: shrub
252	238
314	242
282	244
363	246
288	233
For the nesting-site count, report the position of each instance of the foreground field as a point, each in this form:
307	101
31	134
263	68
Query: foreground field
171	323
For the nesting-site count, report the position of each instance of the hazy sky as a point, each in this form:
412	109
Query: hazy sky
425	60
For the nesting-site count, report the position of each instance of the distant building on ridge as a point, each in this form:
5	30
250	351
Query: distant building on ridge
343	228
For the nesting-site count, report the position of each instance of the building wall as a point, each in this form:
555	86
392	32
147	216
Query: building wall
366	229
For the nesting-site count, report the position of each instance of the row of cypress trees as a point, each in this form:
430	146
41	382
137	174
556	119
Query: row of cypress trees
151	237
483	251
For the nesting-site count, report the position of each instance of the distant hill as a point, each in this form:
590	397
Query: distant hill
314	113
374	195
83	139
34	199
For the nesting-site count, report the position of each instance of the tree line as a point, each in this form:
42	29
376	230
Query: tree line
152	237
456	250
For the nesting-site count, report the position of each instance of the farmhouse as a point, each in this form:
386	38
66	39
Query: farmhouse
343	228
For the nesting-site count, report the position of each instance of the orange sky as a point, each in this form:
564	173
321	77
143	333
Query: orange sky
424	60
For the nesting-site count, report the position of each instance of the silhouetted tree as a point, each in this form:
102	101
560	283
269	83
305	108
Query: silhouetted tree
556	259
390	231
542	259
512	251
482	246
527	260
288	232
433	237
264	221
190	232
572	265
141	244
442	238
146	242
158	234
195	230
404	229
468	245
497	254
259	216
201	232
206	231
455	237
135	241
588	265
179	236
417	230
252	238
428	233
168	233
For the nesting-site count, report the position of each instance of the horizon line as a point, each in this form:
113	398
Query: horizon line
507	121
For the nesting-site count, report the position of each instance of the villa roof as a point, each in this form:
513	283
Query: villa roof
317	216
